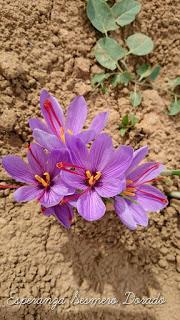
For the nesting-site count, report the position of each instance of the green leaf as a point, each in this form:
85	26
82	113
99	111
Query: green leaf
125	11
174	83
144	71
99	78
100	15
123	131
128	121
108	52
135	98
121	78
104	89
155	72
143	68
139	44
133	120
175	107
125	121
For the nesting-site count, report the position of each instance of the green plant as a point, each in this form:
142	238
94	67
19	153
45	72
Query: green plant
128	122
175	104
114	56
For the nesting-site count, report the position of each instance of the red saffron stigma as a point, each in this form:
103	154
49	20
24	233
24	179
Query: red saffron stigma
68	168
6	186
148	181
73	197
155	166
42	210
49	108
69	198
30	149
47	104
154	196
62	164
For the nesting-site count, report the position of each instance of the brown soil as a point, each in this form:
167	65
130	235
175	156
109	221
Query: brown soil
48	43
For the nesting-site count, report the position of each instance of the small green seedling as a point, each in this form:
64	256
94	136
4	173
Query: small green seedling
128	122
175	104
114	56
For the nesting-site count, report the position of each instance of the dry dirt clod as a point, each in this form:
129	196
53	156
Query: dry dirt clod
178	263
82	67
48	43
82	88
7	120
163	264
10	65
170	257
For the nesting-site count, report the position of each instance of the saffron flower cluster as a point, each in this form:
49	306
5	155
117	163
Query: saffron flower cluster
62	172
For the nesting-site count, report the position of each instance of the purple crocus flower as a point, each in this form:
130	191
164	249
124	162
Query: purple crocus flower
139	197
41	176
51	134
63	212
96	174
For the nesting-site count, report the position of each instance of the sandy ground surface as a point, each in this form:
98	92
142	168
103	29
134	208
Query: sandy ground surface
48	44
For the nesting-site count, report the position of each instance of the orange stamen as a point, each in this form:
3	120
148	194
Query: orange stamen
45	182
92	178
70	131
129	181
62	136
128	193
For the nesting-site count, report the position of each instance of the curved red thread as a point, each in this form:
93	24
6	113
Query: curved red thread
73	197
148	181
8	186
155	166
73	172
153	196
62	164
49	108
29	147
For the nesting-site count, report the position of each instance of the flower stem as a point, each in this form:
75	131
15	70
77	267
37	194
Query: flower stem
171	173
175	194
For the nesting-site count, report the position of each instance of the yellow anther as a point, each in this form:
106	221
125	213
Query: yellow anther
97	176
128	193
62	136
131	189
91	181
88	174
70	131
47	177
41	180
129	181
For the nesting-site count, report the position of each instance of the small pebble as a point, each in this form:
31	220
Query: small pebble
163	264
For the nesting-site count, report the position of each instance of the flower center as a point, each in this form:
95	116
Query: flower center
132	188
92	179
45	181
